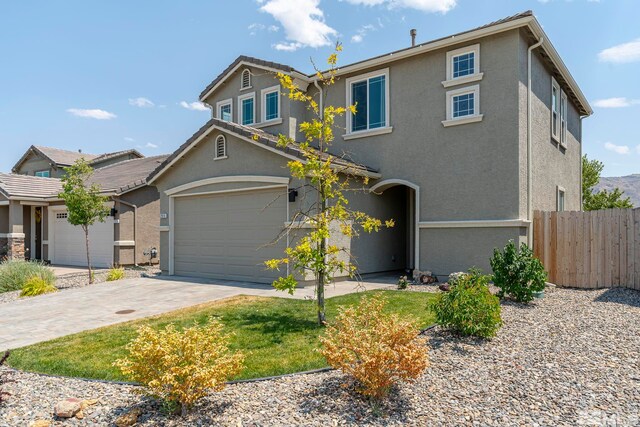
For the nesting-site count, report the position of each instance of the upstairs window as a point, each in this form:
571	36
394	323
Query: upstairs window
463	106
563	119
246	106
221	147
271	103
555	109
246	79
225	109
463	65
43	174
369	93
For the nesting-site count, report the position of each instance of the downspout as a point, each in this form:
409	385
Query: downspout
530	147
135	229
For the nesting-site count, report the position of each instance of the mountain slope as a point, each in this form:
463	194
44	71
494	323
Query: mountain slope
629	184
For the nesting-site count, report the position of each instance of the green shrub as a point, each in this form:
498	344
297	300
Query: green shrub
37	285
403	283
517	273
469	308
15	274
115	273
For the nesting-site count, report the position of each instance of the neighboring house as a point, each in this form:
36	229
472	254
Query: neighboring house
443	128
33	219
47	162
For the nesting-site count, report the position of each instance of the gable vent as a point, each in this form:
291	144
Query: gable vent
221	147
246	79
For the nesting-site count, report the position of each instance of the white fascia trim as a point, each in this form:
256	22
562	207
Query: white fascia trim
387	104
475	48
222	103
366	133
263	104
242	64
30	203
463	80
227	179
489	223
268	123
124	243
251	95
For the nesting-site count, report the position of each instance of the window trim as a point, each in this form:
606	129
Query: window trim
47	171
221	104
452	54
560	190
242	86
224	142
564	109
263	104
387	105
241	98
555	85
472	118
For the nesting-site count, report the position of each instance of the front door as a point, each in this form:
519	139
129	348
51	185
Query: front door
38	233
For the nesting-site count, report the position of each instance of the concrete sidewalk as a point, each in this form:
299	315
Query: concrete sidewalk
45	317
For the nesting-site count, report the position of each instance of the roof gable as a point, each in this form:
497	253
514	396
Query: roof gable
55	156
260	139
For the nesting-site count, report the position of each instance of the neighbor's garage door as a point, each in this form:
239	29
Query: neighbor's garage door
70	247
229	236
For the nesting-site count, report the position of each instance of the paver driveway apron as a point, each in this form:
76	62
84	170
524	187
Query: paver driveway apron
42	318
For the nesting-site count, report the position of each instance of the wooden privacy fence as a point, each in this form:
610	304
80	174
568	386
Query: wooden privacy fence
596	249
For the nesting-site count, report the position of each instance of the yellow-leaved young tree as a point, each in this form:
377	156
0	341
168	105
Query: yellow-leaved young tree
327	178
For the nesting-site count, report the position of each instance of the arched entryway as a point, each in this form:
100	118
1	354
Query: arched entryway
407	194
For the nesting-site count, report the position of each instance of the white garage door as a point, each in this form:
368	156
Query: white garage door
230	235
69	246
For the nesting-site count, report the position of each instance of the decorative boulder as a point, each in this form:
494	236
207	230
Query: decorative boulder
67	408
128	419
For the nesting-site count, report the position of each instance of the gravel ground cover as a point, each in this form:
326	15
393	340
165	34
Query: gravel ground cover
569	359
79	280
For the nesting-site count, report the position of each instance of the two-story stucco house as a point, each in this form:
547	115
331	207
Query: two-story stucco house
461	137
33	219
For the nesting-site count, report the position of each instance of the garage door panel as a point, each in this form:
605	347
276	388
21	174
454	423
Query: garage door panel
224	236
69	246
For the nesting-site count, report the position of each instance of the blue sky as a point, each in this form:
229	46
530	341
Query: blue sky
110	75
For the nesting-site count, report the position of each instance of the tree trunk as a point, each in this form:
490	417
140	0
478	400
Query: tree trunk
86	238
322	274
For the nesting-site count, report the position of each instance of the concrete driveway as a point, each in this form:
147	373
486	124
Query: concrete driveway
32	320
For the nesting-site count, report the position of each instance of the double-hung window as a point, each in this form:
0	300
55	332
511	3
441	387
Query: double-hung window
43	174
225	110
247	109
463	106
463	66
370	95
270	103
563	119
555	109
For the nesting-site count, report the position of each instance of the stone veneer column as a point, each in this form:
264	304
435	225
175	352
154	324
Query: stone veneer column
15	248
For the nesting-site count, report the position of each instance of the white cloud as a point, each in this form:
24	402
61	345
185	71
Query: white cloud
620	149
255	27
356	38
303	23
194	106
442	6
141	102
362	32
615	102
129	139
622	53
151	145
92	113
638	149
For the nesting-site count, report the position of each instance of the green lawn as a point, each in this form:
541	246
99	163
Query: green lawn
278	335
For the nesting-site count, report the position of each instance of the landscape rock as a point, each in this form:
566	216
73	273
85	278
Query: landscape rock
128	419
67	408
40	423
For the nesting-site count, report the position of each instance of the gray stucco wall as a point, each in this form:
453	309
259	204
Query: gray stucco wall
553	165
144	229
